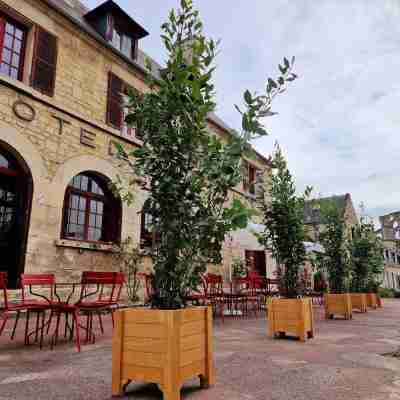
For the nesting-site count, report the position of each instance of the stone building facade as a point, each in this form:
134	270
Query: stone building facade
390	235
62	69
314	220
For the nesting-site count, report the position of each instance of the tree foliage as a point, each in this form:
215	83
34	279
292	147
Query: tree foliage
283	217
335	260
367	260
190	171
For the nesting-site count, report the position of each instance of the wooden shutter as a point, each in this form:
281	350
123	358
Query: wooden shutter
44	62
114	102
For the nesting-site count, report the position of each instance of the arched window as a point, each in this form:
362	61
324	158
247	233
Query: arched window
91	212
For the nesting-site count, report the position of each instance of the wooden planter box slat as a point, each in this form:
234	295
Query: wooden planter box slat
379	300
359	301
291	316
372	300
163	347
338	304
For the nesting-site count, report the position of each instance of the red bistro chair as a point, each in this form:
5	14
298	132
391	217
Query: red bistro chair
6	308
37	303
214	293
100	293
247	296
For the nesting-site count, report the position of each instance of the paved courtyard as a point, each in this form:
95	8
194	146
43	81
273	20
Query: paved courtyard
344	361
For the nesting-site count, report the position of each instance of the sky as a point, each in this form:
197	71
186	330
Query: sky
338	124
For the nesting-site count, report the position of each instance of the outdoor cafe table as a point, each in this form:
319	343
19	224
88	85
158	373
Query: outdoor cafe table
56	306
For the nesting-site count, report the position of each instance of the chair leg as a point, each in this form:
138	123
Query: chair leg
15	325
112	318
3	324
37	326
66	325
71	334
50	321
75	317
87	327
57	328
101	323
42	329
27	327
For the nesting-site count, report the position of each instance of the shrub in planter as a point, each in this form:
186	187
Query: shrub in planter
126	257
189	174
239	268
283	215
366	255
335	261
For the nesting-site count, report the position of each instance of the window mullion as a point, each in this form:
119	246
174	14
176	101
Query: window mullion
87	215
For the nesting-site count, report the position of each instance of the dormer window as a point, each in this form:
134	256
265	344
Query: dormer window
117	28
123	43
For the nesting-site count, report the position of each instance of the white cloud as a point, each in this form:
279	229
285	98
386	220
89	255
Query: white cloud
339	123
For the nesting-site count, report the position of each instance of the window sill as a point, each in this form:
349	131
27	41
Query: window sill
74	244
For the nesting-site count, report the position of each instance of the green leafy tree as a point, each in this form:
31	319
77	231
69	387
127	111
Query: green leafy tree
283	217
367	260
189	171
335	260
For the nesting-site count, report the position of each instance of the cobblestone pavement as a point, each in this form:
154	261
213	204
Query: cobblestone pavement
344	361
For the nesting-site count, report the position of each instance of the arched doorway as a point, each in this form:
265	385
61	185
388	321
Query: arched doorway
15	206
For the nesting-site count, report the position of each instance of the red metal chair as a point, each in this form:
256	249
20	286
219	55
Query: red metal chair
37	303
100	293
214	293
6	308
259	287
248	297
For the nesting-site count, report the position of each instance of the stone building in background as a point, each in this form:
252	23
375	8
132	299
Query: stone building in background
62	71
313	217
390	235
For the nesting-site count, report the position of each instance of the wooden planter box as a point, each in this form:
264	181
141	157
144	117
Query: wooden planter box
359	301
291	316
338	304
379	300
372	300
163	347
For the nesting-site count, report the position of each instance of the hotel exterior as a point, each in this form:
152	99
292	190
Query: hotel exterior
63	69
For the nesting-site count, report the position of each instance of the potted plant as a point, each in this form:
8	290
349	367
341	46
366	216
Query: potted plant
189	174
335	261
127	258
239	268
367	265
284	235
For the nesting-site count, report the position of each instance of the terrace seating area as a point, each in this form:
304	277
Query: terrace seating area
51	311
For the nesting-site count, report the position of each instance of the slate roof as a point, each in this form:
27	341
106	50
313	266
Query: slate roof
312	209
75	11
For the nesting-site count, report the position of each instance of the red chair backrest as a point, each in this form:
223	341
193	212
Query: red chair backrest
213	284
108	286
40	280
3	290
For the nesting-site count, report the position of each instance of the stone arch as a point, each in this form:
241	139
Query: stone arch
74	166
27	173
26	150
